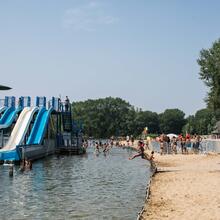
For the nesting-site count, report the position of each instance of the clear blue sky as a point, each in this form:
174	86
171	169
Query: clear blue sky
142	51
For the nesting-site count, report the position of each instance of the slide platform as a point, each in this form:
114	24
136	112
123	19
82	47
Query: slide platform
9	152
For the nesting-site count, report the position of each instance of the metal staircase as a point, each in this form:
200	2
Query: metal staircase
67	121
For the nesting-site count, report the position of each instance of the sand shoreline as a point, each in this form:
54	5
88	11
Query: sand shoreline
185	187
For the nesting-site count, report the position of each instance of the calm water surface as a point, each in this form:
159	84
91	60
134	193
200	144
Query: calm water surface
76	187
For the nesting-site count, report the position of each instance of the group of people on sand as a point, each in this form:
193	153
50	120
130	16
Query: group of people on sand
179	143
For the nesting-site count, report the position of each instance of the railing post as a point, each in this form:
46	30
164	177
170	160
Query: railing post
2	136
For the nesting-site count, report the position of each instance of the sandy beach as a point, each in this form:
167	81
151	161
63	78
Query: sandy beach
186	187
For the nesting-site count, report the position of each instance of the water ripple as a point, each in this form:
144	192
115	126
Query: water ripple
76	187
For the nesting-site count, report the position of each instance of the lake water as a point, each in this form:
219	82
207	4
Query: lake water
76	187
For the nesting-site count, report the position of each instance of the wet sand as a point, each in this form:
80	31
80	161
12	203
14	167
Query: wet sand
186	187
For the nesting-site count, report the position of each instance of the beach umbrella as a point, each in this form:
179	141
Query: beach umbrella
172	135
4	87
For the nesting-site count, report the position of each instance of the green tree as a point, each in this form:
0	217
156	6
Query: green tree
172	121
201	123
190	126
105	117
146	119
204	121
209	62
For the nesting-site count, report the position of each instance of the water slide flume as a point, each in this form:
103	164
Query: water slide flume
2	109
8	117
39	127
29	138
8	152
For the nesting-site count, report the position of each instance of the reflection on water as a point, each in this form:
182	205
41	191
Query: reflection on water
76	187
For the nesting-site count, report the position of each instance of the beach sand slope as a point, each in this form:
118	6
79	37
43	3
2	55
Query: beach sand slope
186	187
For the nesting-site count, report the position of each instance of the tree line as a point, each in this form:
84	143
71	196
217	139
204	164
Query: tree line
209	62
116	117
106	117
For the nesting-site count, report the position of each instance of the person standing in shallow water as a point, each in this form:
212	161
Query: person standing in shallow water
97	147
11	170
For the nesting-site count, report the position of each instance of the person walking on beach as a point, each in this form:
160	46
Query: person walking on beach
183	145
174	145
168	145
187	144
197	143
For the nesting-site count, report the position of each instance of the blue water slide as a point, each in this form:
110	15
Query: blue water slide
39	127
2	109
8	117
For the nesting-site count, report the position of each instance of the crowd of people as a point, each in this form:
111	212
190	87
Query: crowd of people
169	144
99	146
103	147
180	143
